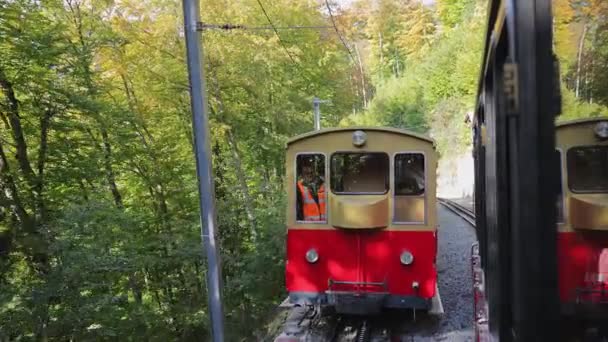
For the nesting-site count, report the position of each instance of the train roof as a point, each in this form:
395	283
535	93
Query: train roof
581	121
362	128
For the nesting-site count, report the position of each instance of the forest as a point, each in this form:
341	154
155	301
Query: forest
99	221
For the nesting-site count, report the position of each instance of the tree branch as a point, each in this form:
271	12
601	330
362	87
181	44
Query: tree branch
17	130
45	123
111	178
7	183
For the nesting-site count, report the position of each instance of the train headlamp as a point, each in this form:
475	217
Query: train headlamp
406	258
359	138
601	130
312	256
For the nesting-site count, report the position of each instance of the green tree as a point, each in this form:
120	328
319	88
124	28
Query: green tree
99	225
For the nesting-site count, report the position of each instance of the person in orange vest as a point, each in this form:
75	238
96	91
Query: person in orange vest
311	194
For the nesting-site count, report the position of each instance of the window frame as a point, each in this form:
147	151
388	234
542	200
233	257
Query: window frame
295	186
424	195
387	185
563	181
574	191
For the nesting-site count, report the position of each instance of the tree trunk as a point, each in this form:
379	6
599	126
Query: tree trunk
85	64
17	131
37	244
107	159
84	191
243	185
136	288
8	186
381	66
45	123
238	166
133	107
581	46
362	75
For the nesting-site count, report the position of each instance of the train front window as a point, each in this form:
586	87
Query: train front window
588	169
310	188
359	173
409	204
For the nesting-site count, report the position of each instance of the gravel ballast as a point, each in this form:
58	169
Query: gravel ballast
455	286
454	271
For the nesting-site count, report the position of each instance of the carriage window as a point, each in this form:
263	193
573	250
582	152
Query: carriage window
409	174
310	188
409	188
359	173
588	169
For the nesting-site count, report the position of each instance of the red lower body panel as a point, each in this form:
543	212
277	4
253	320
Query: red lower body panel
579	261
371	256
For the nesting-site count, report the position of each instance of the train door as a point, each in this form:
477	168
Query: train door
363	177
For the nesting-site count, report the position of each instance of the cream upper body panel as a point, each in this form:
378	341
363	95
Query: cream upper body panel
586	211
358	211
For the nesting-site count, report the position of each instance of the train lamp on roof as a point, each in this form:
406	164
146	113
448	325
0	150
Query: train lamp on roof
601	130
359	138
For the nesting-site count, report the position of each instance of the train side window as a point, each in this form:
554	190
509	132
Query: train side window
560	192
410	185
588	169
310	188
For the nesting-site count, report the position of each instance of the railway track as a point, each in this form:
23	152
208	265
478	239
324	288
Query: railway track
362	329
460	210
310	325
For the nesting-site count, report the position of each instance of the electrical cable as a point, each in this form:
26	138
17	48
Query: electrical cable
276	32
228	27
331	16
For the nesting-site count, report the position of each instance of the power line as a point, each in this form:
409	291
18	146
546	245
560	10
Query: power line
338	32
276	32
205	26
289	28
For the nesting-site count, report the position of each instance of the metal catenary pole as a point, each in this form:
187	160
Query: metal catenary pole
315	106
200	125
316	102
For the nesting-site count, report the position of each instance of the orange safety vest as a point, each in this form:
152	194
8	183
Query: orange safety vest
312	210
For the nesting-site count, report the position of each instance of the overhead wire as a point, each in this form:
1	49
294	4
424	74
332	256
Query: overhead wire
276	32
228	27
289	28
331	16
203	26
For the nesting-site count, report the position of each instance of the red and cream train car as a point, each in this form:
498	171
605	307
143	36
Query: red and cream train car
583	217
361	219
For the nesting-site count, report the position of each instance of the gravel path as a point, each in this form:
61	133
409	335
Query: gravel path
454	266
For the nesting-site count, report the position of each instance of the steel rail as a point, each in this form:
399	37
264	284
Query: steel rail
362	329
460	210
